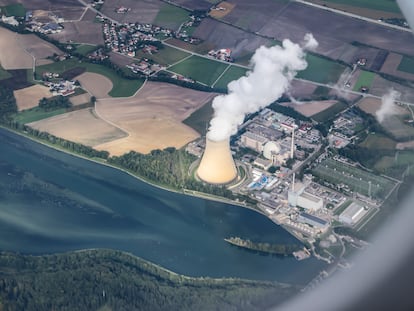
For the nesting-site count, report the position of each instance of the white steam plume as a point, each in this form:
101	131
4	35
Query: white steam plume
388	106
273	70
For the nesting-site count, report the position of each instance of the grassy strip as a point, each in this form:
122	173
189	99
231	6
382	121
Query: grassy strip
36	114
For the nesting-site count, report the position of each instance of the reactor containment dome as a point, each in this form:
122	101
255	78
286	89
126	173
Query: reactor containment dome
270	149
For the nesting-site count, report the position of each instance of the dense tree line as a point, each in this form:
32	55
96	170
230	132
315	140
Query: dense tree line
168	167
288	111
48	104
89	280
7	103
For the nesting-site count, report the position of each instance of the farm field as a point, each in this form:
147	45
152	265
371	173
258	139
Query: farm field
321	70
200	119
17	51
166	56
36	114
392	63
231	74
365	79
170	16
14	10
152	118
311	108
121	87
406	65
373	9
3	73
356	179
12	55
200	69
402	161
85	49
330	112
81	126
29	97
378	141
96	84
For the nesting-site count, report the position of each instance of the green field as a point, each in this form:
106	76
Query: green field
330	112
365	80
171	16
356	179
378	141
380	5
321	70
121	87
166	56
200	69
397	164
406	65
200	118
85	49
4	74
36	114
14	10
233	73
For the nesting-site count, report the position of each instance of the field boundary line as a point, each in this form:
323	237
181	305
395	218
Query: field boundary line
219	77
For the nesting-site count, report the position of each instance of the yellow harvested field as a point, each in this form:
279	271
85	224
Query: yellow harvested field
311	108
29	97
12	55
96	84
152	118
17	51
81	126
222	9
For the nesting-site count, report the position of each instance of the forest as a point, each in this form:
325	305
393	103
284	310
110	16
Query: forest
114	280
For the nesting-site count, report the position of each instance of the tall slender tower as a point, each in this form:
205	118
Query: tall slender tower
292	147
217	164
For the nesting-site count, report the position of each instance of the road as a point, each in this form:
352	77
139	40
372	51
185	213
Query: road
370	20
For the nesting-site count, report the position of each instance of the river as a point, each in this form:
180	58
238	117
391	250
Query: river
51	201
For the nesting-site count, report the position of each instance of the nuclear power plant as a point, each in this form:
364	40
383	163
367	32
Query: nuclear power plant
217	164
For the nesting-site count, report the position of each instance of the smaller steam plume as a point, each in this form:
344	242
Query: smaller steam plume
273	70
388	107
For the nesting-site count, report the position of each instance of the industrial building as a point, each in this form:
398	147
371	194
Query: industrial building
313	221
253	141
352	214
299	197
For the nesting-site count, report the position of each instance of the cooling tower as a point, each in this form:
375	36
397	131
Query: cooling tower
217	165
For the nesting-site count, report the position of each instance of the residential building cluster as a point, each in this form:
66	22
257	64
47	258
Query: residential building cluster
62	87
222	54
344	129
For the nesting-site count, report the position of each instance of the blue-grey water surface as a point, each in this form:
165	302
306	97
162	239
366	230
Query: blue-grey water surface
51	201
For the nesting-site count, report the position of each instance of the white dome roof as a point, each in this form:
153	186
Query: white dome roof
270	148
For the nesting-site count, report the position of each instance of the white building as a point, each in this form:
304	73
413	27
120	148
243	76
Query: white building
352	214
299	197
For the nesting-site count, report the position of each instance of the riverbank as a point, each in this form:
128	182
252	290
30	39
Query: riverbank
188	192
